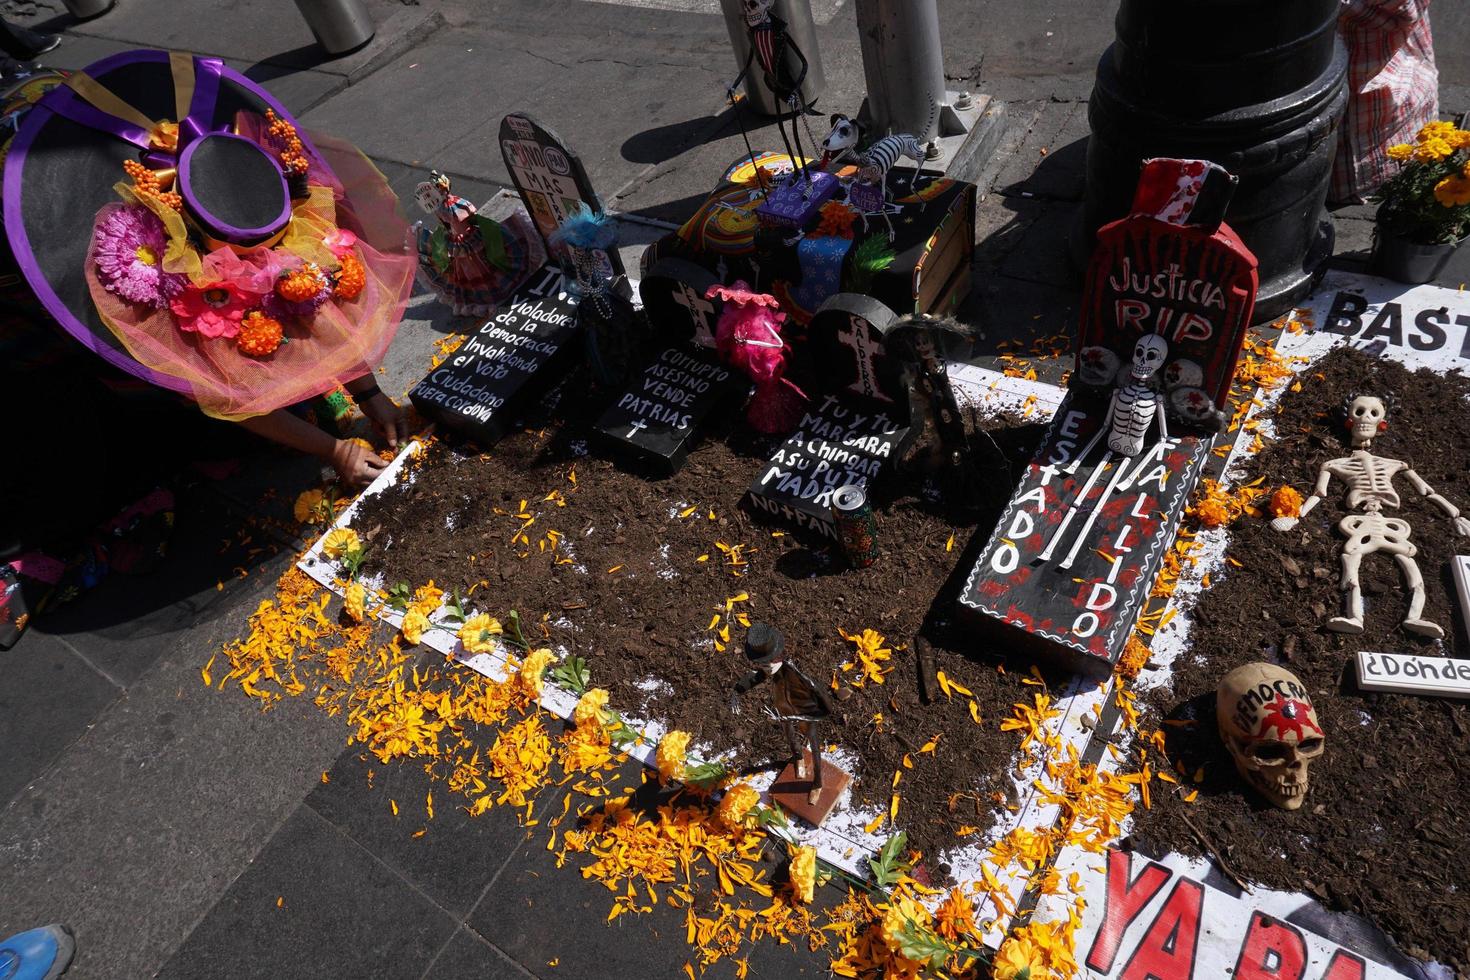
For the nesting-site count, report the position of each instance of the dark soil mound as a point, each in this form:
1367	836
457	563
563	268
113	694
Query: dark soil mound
1384	829
627	588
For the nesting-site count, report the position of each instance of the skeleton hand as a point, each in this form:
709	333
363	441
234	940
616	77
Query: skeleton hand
1283	523
734	704
1462	527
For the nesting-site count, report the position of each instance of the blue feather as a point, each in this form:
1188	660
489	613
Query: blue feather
586	229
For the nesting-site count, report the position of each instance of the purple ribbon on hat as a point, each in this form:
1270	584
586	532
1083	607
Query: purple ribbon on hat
89	103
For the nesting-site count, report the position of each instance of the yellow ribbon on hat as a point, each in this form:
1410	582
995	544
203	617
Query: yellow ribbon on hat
163	134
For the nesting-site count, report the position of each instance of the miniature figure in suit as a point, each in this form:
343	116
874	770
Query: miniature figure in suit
796	700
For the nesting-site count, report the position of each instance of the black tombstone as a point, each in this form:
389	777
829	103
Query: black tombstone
515	355
857	423
656	420
552	182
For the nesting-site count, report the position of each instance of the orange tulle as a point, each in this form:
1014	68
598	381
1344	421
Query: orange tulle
344	339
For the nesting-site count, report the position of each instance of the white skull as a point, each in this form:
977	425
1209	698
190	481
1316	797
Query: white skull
1366	417
756	11
1184	373
844	135
1148	355
1268	723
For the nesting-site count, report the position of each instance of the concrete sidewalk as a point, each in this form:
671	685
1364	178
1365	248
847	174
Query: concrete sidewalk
164	821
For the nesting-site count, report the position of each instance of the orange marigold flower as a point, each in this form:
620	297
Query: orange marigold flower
1135	655
955	917
311	507
1400	151
355	601
1452	191
340	541
837	221
302	284
1286	502
351	278
479	632
671	755
259	334
533	671
1212	513
414	625
737	803
590	708
1019	958
803	872
1433	149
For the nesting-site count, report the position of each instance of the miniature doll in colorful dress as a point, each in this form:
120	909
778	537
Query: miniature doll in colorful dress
472	263
748	337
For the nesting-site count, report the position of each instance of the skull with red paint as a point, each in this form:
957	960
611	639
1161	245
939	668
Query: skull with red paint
1268	724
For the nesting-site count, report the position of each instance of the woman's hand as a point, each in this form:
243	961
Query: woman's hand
355	465
387	418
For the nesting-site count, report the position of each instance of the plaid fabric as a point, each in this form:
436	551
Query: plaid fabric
1393	90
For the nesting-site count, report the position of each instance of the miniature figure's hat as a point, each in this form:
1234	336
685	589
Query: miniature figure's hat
764	643
255	200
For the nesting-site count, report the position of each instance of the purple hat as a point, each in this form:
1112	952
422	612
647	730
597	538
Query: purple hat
68	154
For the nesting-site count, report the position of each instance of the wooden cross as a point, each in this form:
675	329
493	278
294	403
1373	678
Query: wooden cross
699	309
858	336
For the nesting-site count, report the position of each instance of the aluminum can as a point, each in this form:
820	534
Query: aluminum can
857	528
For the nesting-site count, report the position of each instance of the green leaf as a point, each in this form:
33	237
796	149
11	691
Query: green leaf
766	816
890	865
621	735
917	943
514	618
454	614
573	675
352	561
706	775
400	596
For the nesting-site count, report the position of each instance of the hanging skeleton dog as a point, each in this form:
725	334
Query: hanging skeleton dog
1369	479
773	51
868	193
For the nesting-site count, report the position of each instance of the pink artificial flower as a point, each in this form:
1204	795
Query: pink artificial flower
212	311
130	244
339	241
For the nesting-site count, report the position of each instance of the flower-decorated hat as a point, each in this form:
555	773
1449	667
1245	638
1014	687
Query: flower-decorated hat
171	217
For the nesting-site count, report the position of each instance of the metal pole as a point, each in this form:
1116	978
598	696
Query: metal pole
903	63
803	31
339	26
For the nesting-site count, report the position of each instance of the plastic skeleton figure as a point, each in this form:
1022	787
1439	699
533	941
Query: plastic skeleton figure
770	45
1134	408
1370	490
797	702
874	162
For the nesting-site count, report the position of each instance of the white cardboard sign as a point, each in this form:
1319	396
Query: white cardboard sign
1178	918
1413	674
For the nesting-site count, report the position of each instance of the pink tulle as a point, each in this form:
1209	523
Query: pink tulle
342	341
748	337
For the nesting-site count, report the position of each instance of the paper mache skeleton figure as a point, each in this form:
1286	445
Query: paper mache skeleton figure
784	67
607	317
869	192
1270	728
1137	405
1369	480
471	262
797	701
748	337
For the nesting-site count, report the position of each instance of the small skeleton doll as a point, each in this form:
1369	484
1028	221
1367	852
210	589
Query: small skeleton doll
784	67
1135	405
797	702
470	262
1369	480
606	316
